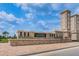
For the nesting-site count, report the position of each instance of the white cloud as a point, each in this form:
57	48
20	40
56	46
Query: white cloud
6	16
39	4
32	11
29	16
20	20
28	6
11	17
76	11
11	30
23	6
2	25
42	22
56	6
5	26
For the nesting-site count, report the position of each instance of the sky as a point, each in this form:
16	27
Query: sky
37	17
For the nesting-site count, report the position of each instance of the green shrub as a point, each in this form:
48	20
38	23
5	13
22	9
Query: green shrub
3	40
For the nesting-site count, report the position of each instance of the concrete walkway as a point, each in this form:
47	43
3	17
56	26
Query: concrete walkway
7	50
63	52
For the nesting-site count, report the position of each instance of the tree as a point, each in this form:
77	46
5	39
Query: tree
5	34
14	36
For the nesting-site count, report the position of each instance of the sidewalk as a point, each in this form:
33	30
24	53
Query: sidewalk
7	50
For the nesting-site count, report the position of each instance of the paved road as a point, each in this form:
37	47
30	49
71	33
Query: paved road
65	52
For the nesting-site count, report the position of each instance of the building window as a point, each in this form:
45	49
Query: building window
51	35
20	33
28	34
40	35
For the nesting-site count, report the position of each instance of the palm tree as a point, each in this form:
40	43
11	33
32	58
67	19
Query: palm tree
5	34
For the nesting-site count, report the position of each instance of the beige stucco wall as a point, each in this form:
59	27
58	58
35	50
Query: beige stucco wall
73	24
31	35
74	36
65	21
47	35
77	24
78	36
75	27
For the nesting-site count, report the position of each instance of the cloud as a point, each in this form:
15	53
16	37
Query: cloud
26	6
30	12
69	5
12	30
5	26
41	23
23	6
47	26
35	10
38	17
76	11
6	20
29	16
20	20
56	6
38	4
6	16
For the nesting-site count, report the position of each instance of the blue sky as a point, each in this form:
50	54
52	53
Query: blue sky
37	17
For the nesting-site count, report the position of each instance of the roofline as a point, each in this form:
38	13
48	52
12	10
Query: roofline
75	15
36	32
31	31
65	11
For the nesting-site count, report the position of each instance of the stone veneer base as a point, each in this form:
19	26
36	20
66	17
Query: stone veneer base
35	42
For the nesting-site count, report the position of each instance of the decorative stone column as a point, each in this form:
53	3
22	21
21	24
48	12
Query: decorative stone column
17	35
47	35
22	35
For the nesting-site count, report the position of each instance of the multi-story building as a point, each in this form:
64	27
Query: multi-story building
70	25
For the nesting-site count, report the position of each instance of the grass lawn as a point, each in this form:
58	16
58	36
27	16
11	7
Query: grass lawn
3	40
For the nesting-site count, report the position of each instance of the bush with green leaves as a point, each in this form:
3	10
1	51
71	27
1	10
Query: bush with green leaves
3	40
